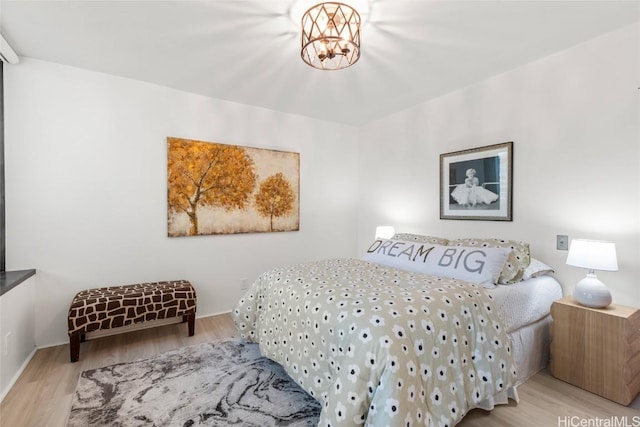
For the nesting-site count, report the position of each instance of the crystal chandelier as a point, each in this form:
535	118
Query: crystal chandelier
330	36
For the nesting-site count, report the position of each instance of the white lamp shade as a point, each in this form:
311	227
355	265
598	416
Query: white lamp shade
385	232
593	255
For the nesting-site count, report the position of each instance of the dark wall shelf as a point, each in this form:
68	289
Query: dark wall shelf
11	279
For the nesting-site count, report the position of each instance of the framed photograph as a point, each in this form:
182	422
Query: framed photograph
477	183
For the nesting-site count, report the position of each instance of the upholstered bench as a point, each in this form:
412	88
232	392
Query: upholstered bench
116	306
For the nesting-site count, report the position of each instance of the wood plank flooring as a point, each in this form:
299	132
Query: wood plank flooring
42	395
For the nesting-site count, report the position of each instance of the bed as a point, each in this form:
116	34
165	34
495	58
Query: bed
380	345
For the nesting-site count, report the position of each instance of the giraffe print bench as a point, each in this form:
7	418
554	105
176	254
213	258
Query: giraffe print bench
116	306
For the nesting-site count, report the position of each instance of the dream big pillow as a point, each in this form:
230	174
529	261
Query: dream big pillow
473	264
518	260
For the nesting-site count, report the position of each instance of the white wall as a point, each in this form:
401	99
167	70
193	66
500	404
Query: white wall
86	174
574	118
17	320
86	188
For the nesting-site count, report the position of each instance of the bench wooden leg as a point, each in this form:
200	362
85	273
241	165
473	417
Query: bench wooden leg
74	346
191	322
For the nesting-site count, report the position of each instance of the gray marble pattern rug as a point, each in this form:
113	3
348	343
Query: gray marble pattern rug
225	383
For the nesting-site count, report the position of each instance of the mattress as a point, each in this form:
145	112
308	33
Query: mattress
525	302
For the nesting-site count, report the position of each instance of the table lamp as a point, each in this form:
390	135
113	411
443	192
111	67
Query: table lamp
385	232
592	255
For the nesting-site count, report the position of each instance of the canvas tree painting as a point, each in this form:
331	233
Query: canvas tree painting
217	188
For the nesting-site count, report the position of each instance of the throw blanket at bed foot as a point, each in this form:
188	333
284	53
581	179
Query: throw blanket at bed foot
380	346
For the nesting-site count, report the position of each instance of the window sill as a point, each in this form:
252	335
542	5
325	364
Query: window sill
11	279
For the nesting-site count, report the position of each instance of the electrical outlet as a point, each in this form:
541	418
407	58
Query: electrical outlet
244	284
562	242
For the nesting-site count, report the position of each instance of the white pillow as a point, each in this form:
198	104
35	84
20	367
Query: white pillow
536	268
478	265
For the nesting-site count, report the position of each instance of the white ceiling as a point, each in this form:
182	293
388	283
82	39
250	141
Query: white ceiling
248	51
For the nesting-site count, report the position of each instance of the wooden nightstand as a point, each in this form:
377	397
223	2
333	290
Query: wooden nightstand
597	349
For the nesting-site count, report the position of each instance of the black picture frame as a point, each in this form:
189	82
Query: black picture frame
477	184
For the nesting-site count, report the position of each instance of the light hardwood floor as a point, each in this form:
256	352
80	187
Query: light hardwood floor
42	395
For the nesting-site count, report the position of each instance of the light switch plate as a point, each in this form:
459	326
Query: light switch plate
562	242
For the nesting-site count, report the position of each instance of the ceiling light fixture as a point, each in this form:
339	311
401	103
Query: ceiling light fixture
330	36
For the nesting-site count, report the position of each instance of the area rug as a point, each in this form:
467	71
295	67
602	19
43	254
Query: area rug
225	383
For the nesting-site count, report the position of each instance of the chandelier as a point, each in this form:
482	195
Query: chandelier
330	36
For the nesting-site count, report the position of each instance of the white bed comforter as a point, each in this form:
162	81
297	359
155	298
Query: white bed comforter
379	346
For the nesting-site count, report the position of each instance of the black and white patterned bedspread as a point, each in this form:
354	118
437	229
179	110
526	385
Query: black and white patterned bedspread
379	346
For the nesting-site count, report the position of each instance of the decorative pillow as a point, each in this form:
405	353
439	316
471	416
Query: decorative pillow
420	238
518	260
481	265
536	268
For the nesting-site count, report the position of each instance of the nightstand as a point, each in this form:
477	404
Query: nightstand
597	349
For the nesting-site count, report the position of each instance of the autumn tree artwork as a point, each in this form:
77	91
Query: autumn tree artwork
217	188
275	198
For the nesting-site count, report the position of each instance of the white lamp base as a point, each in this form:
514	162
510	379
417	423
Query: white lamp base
591	292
